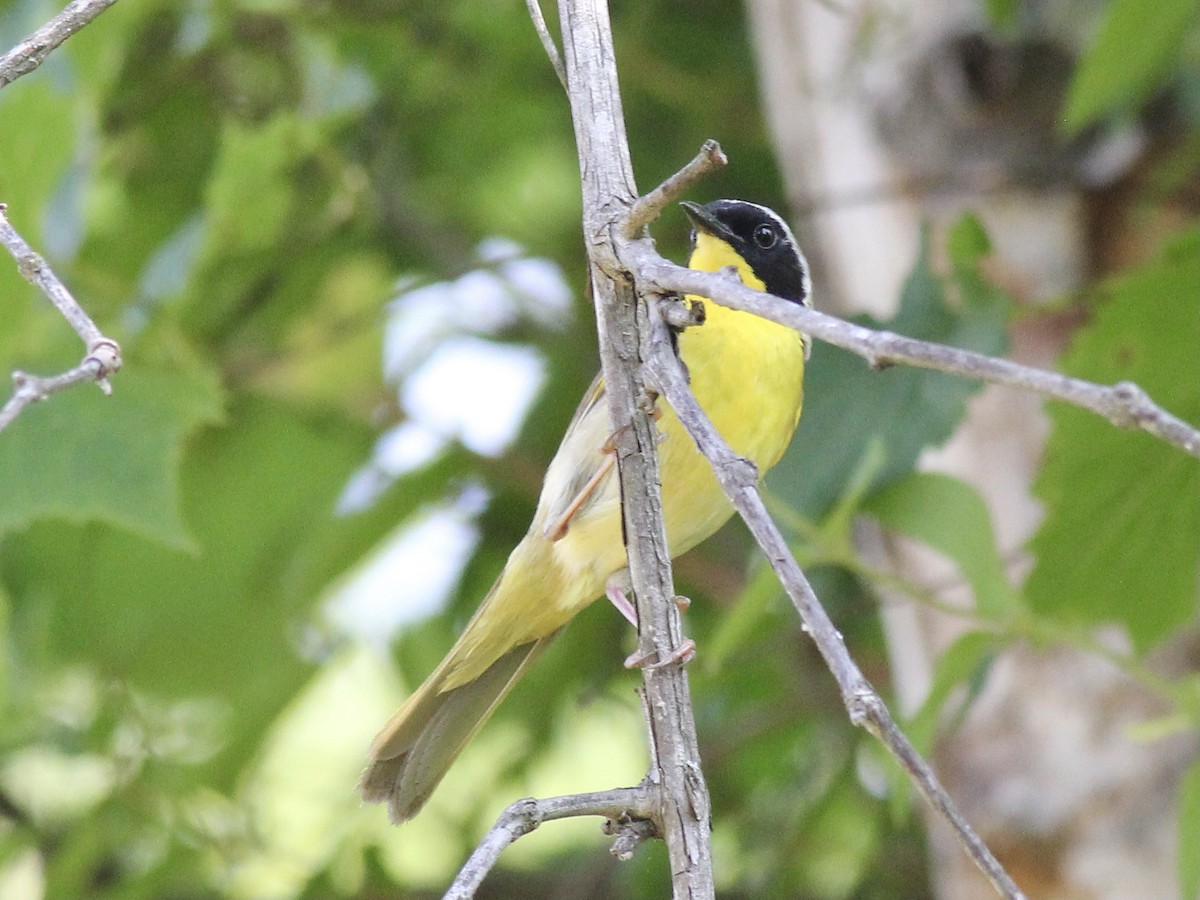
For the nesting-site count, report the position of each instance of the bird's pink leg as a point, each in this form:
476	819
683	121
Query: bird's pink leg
616	590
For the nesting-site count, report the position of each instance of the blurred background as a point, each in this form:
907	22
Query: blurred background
339	243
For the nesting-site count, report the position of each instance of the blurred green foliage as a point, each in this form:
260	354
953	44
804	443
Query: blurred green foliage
234	189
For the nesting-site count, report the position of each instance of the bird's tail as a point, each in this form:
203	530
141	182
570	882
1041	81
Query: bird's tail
419	743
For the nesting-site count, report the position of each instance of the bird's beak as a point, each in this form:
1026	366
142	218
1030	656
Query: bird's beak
706	222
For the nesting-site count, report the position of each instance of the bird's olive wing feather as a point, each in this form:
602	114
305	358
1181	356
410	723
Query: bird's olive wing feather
582	470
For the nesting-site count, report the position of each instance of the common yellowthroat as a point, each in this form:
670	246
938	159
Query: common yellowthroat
746	372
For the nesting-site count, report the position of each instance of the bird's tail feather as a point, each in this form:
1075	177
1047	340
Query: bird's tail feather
417	746
522	612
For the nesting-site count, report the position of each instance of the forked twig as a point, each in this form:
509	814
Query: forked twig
649	206
627	812
103	356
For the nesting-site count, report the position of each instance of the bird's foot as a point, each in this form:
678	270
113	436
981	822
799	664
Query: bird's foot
610	444
682	655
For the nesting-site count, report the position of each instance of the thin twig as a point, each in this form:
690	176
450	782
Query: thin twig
649	206
29	389
103	356
34	269
1124	404
739	478
28	55
627	811
543	33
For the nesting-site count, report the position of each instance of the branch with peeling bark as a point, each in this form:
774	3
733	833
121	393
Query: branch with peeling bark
103	355
606	173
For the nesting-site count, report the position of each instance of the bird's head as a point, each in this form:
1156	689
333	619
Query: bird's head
755	240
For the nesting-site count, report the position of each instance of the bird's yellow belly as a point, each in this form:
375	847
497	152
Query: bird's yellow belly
753	396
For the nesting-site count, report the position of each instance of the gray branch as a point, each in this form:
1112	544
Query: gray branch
648	208
28	55
866	709
103	356
543	33
608	193
1124	404
627	812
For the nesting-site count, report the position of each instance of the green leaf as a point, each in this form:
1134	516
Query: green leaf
901	409
1188	860
33	162
5	641
1122	508
1136	48
967	243
83	457
850	833
33	159
951	517
198	623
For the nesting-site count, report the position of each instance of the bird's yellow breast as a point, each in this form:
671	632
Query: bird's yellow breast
747	373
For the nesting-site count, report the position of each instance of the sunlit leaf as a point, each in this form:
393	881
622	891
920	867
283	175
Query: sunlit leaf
1189	835
193	623
957	666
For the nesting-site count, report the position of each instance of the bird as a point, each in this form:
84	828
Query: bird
746	372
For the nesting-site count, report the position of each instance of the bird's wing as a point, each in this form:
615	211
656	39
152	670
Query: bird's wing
582	469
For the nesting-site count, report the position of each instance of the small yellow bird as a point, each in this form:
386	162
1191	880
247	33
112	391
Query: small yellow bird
746	372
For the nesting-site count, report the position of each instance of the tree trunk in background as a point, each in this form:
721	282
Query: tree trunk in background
885	116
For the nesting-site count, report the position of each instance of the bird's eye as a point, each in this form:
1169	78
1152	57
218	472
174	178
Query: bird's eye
765	237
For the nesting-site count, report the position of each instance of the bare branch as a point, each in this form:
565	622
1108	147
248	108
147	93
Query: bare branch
739	478
628	812
103	353
1124	404
34	269
28	55
543	33
650	206
608	192
29	389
